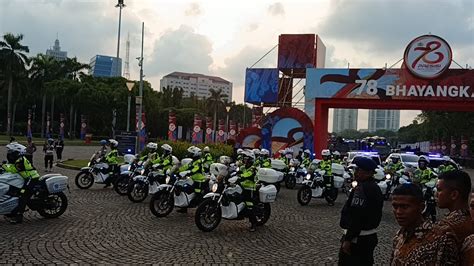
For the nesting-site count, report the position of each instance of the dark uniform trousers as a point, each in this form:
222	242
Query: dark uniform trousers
362	252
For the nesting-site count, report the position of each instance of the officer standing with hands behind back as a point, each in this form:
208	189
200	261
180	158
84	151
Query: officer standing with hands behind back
361	216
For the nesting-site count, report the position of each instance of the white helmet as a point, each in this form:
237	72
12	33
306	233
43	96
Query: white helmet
206	149
289	150
424	158
240	151
248	153
14	151
256	152
218	169
307	151
336	153
224	160
265	152
113	143
167	148
152	146
194	151
325	152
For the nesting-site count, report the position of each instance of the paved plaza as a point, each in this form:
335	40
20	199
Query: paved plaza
100	226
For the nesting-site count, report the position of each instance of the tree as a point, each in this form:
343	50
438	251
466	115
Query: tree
13	59
214	102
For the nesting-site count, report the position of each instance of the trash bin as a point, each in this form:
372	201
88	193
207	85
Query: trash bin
88	138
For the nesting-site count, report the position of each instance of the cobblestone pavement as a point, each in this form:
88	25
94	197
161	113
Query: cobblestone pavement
101	227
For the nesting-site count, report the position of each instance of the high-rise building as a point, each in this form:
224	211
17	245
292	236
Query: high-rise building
344	119
384	119
56	52
197	84
105	66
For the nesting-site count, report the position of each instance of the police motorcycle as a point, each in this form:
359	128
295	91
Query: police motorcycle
225	199
429	196
48	198
314	185
177	191
296	174
127	171
96	171
281	168
148	181
384	182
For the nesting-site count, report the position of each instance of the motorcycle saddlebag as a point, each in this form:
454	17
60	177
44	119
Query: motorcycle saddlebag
267	194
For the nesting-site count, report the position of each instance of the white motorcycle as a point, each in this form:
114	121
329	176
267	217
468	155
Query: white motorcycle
225	200
47	196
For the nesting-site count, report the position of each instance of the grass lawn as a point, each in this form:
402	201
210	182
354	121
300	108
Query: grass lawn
4	140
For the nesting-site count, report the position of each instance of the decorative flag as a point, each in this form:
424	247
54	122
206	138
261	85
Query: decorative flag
83	127
209	129
61	125
232	130
28	129
221	132
197	132
172	126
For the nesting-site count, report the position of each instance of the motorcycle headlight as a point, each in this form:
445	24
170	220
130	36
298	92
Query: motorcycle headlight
142	172
354	184
292	169
214	188
128	168
167	180
308	177
388	176
88	164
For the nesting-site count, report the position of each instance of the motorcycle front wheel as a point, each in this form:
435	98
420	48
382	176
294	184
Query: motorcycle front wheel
304	195
137	192
290	182
53	206
263	213
331	195
162	203
208	215
84	180
121	185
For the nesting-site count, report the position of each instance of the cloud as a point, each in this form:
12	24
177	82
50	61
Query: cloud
194	9
252	27
386	25
180	50
85	28
276	9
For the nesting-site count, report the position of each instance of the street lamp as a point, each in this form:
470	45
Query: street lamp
129	87
120	5
227	108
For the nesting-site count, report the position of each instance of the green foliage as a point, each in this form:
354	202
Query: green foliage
180	149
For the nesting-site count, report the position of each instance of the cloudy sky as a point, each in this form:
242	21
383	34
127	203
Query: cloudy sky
223	37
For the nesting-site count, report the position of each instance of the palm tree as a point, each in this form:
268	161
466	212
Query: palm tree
14	60
71	68
44	69
214	102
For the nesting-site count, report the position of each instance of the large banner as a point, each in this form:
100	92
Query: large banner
172	126
389	84
221	132
209	130
261	85
197	132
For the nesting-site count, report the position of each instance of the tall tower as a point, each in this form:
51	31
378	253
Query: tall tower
126	72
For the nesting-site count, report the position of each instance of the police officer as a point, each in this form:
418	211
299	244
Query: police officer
361	216
336	157
306	158
423	173
111	159
19	164
395	165
196	171
207	158
103	149
265	161
247	174
166	162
